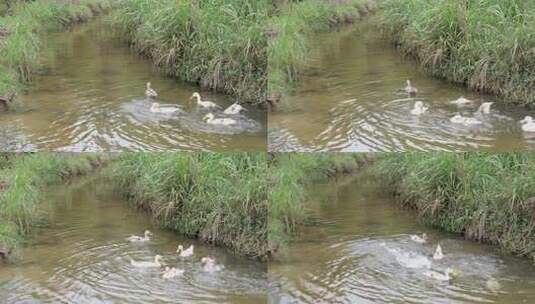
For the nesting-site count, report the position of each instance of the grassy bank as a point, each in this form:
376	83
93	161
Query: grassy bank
217	198
22	28
487	45
22	179
292	27
487	197
288	175
219	45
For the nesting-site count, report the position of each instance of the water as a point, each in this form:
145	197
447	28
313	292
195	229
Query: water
90	97
358	250
349	100
82	257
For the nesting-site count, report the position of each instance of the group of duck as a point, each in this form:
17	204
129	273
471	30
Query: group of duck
491	284
209	118
208	264
528	124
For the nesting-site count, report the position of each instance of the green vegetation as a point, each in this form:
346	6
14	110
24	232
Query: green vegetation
487	197
22	179
291	28
487	45
289	174
21	29
219	198
220	45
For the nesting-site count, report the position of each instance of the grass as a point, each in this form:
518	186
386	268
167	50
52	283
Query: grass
487	197
288	176
217	198
486	45
22	179
291	28
25	23
218	44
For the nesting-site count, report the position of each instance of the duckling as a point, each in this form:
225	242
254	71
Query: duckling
156	263
446	276
136	238
155	108
209	265
184	253
150	92
210	119
461	101
493	285
418	239
528	125
234	109
204	104
438	253
170	273
410	89
484	108
419	108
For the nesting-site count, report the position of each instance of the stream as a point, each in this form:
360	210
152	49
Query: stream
90	96
357	249
83	257
349	99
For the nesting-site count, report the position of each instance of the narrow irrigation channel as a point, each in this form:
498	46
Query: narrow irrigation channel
350	98
358	249
83	257
90	96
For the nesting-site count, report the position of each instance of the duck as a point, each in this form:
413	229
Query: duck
136	238
459	119
484	108
172	272
150	92
493	285
204	104
209	265
419	108
446	276
234	109
438	255
210	119
419	239
184	253
528	125
155	108
410	89
143	264
461	101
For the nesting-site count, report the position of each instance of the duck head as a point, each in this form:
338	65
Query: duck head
148	233
180	249
148	85
195	95
208	117
526	120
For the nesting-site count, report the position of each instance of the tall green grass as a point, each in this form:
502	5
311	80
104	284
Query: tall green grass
487	45
24	177
218	44
26	22
293	25
487	197
288	176
218	198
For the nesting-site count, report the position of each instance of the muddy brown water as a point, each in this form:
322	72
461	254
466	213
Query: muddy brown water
358	250
90	97
82	257
349	100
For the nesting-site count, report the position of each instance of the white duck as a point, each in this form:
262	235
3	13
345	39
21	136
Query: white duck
150	92
170	273
209	265
136	238
419	239
446	276
204	104
184	253
155	108
528	125
484	108
410	89
461	101
210	119
234	109
459	119
438	255
143	264
419	108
